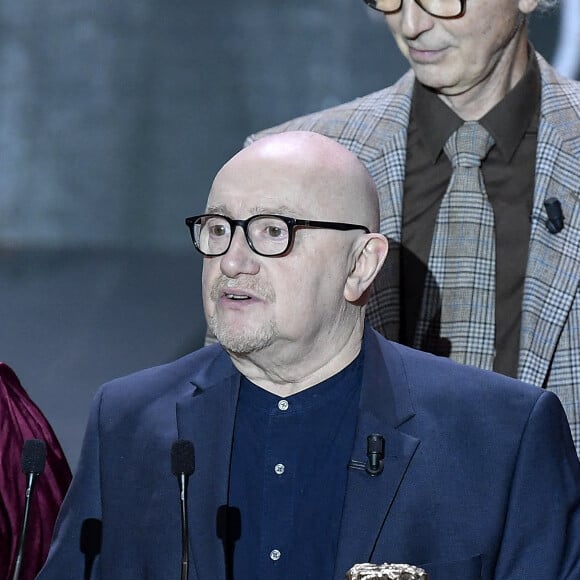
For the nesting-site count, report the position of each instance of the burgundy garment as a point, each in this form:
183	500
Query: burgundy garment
21	419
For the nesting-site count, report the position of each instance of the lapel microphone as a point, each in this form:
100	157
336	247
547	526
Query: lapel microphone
555	221
33	460
375	454
374	464
182	466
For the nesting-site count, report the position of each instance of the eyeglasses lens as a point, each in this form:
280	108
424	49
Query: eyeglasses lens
438	8
268	235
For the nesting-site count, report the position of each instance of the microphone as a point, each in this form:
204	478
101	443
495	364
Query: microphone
90	543
555	221
32	462
229	531
182	466
375	454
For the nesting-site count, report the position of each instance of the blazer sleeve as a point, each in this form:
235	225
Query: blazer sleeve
542	531
74	552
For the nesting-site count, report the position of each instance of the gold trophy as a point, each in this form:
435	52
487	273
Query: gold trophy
386	572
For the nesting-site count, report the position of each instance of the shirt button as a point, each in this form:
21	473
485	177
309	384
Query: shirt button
275	555
283	405
279	468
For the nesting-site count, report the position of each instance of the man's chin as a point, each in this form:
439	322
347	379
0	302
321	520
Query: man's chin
241	345
244	341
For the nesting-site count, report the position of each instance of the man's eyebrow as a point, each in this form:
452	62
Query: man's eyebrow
278	210
256	210
221	209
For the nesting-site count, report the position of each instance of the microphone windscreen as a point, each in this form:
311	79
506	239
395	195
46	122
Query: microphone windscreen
33	456
553	208
376	444
182	457
91	537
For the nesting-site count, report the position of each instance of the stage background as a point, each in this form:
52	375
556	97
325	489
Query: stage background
114	117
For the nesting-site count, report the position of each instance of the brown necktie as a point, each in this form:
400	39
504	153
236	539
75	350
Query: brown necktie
458	307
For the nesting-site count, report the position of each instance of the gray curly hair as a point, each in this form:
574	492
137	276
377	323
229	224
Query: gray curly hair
544	5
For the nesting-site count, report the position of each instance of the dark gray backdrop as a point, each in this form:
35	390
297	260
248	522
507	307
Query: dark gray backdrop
114	117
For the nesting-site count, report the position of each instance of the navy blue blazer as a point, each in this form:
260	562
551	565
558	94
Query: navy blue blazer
481	477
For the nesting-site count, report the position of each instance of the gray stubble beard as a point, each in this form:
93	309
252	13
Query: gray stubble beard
239	342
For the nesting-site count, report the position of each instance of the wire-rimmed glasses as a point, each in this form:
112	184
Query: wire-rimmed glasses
267	235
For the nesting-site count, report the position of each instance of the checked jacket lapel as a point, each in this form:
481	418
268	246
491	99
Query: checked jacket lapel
379	139
553	271
375	130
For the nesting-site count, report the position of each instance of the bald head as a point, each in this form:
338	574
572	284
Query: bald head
293	295
330	181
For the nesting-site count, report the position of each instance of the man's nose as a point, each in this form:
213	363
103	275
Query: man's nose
414	19
240	258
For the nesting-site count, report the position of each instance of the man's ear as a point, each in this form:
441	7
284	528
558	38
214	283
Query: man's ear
527	6
368	260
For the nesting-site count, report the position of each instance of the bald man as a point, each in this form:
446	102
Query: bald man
318	443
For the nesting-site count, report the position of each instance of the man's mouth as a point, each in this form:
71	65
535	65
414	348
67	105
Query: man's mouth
423	54
237	296
238	291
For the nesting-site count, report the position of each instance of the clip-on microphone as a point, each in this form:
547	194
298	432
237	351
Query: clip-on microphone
374	464
555	221
375	454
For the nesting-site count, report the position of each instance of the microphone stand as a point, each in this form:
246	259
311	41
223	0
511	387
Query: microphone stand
182	466
19	558
183	478
33	460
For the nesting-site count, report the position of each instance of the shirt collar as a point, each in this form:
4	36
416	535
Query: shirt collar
518	112
326	393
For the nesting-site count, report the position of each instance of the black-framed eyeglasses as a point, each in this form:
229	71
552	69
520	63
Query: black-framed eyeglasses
267	235
437	8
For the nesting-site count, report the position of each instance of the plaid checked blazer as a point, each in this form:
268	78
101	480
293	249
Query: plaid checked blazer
374	127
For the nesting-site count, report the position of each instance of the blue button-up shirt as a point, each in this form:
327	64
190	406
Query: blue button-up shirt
288	477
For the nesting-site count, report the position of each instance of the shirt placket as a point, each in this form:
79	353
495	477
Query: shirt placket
279	491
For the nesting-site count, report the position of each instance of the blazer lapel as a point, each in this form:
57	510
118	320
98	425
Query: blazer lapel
385	405
369	499
205	416
553	270
384	152
377	135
